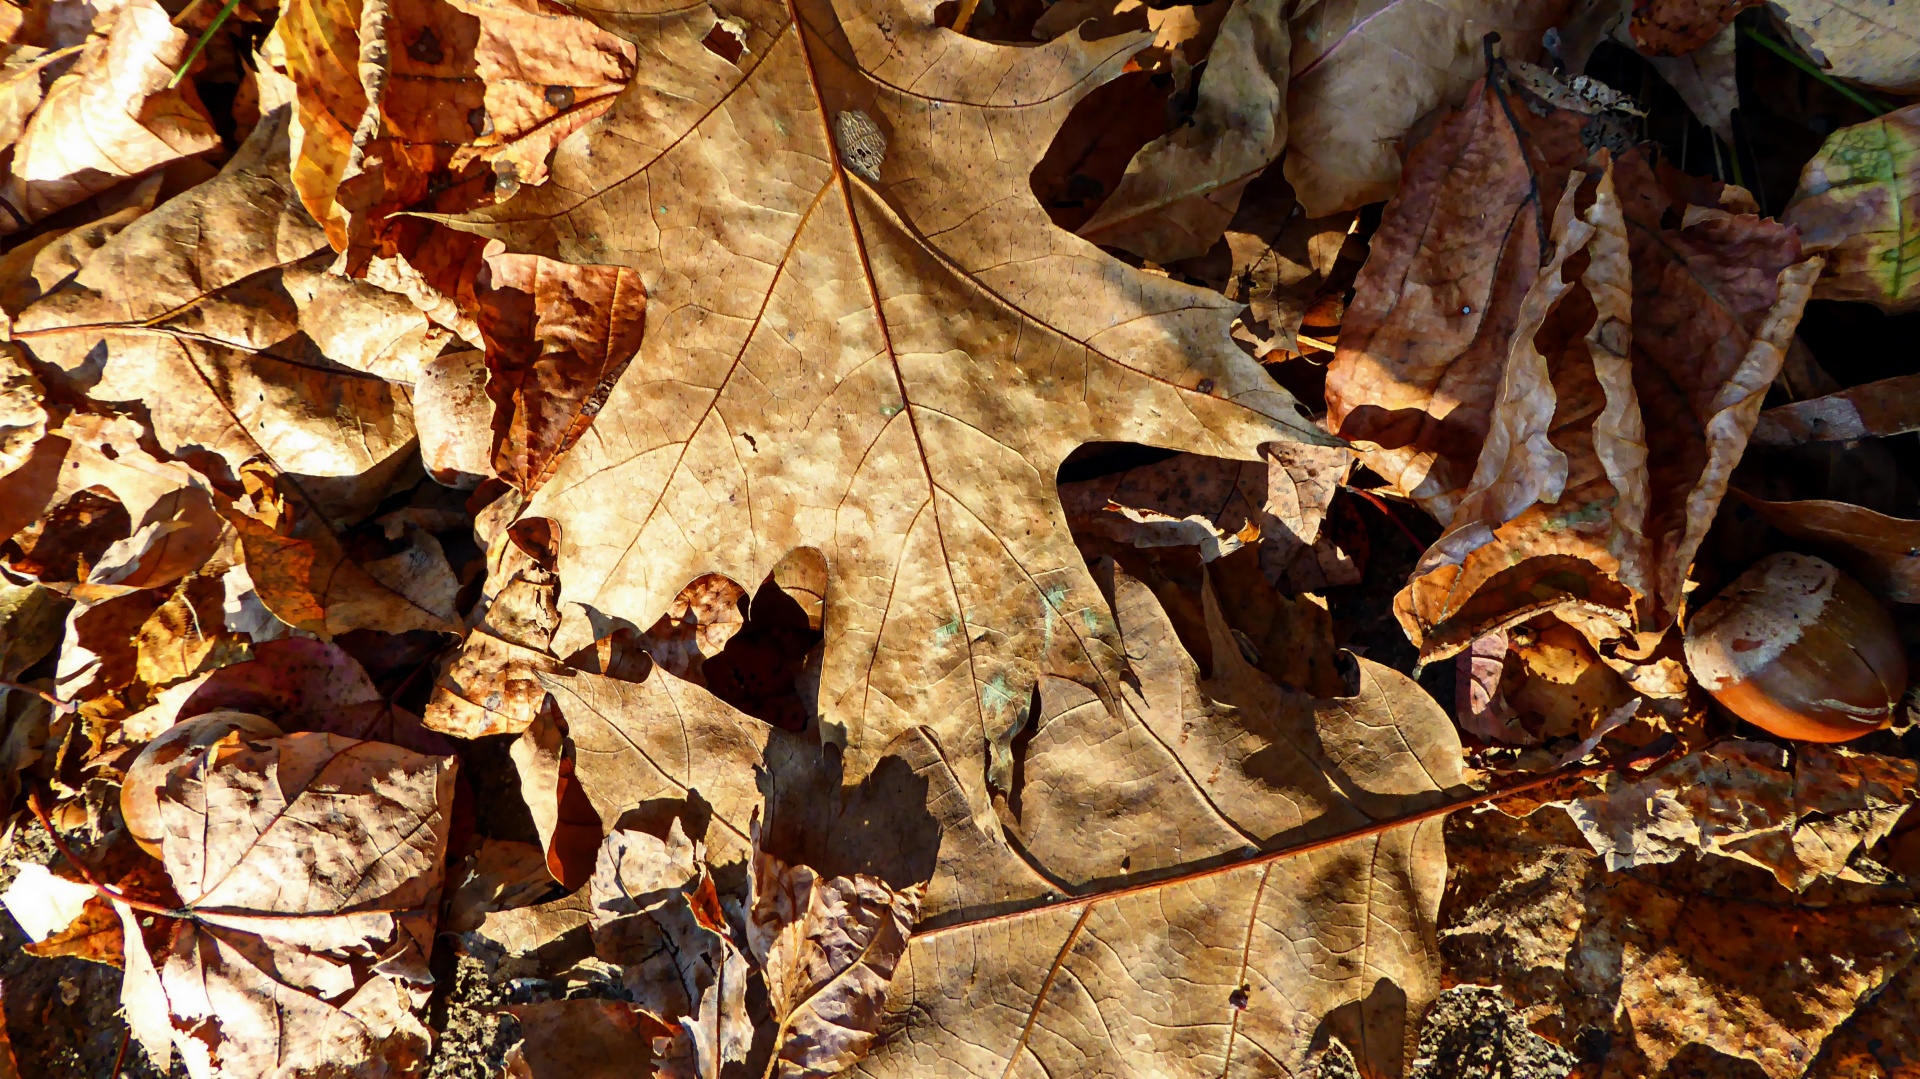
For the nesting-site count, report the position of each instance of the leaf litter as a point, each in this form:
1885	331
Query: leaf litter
855	537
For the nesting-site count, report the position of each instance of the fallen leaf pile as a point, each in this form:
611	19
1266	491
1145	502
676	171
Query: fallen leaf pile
995	537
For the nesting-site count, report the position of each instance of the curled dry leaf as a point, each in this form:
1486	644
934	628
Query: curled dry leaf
1181	190
430	104
1857	202
1602	417
216	314
558	336
309	867
1890	406
111	117
1364	71
827	949
1874	547
1192	770
932	390
491	687
1740	800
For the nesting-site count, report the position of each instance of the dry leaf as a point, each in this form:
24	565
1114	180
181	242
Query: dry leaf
1186	777
1181	190
112	116
310	866
1677	964
42	903
216	314
491	688
930	440
1739	800
441	104
827	949
1871	41
1678	27
1603	422
1364	71
1890	406
451	392
580	1039
1857	202
308	580
558	337
1874	547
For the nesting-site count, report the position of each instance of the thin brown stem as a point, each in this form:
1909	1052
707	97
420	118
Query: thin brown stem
1310	846
21	687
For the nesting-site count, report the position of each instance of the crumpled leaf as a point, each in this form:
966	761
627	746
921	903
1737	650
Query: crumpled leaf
1603	422
217	315
1740	800
442	99
1190	772
580	1039
308	580
311	868
558	337
1889	406
1365	70
451	390
1871	41
112	116
1181	190
655	911
491	687
1857	202
827	949
929	443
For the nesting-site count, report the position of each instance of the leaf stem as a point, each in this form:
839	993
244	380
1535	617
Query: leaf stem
1313	845
58	704
1878	108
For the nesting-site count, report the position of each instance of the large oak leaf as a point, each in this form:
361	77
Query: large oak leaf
1243	866
864	337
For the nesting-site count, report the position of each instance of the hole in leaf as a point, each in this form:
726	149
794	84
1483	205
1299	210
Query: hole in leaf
727	42
1084	162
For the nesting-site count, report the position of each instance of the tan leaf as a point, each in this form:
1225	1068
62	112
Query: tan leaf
111	117
217	314
930	443
452	390
305	577
42	903
581	1039
1365	70
1871	41
1739	800
558	337
440	99
1872	546
311	866
1192	771
1890	406
1181	190
1857	201
491	686
828	949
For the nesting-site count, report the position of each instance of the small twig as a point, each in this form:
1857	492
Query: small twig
1381	505
101	888
58	704
1878	108
120	1057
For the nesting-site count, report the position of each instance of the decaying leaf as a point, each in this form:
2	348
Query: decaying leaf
931	391
1740	800
827	949
216	314
1678	27
309	926
1857	202
1602	420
